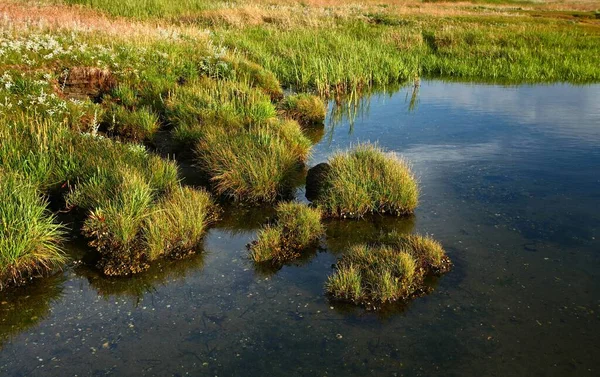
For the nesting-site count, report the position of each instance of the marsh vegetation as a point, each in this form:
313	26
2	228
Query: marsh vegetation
97	120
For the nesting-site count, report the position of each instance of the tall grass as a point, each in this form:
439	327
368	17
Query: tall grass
29	235
178	222
258	164
304	108
144	9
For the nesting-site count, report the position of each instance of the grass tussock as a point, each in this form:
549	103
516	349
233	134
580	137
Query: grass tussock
253	165
29	235
392	269
304	108
366	180
296	227
178	223
114	227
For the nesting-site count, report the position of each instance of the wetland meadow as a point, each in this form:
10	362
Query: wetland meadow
299	188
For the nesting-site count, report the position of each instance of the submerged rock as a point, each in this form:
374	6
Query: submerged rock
316	179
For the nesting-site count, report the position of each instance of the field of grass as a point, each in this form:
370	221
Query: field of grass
101	100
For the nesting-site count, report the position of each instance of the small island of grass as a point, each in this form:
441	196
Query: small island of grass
393	269
363	180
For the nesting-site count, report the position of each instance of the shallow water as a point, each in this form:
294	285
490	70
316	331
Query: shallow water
510	181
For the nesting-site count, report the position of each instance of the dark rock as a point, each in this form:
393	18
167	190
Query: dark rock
316	179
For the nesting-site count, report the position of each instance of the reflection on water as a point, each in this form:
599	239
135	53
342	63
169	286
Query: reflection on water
510	186
23	308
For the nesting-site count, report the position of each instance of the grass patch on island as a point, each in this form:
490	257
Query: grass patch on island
364	180
296	227
392	269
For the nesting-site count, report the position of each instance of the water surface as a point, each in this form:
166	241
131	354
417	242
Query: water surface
510	181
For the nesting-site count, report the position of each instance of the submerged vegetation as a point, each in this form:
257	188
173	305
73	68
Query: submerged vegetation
364	180
296	227
98	114
390	270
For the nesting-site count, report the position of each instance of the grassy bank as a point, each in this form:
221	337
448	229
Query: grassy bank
345	46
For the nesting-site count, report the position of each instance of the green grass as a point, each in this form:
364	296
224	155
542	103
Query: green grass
366	180
296	227
391	269
29	235
178	223
139	125
254	165
304	108
114	227
143	9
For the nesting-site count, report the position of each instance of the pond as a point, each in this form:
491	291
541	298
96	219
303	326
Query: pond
510	179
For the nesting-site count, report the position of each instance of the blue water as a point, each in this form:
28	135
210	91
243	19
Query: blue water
510	180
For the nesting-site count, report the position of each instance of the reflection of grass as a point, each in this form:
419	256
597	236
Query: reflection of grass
160	273
341	234
25	307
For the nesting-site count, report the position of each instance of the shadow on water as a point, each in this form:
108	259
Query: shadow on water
23	308
341	234
160	273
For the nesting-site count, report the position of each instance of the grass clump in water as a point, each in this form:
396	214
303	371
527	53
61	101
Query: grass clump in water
304	108
29	235
178	224
365	180
390	270
296	227
114	227
256	164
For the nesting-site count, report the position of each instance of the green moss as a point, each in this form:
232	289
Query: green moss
296	227
367	180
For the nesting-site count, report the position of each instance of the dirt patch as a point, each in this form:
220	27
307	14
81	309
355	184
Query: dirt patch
87	82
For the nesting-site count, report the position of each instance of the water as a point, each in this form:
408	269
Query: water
510	181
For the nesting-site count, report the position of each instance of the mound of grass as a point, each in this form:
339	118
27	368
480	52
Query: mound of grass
296	227
364	180
257	76
178	223
114	227
255	165
304	108
390	270
29	235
